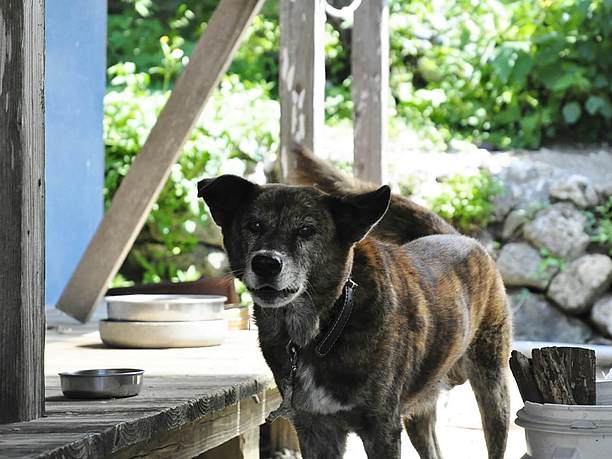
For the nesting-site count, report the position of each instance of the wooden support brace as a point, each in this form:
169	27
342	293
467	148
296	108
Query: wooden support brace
145	179
244	446
301	77
22	210
370	68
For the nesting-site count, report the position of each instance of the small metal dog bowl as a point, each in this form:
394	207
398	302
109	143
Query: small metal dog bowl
104	383
167	307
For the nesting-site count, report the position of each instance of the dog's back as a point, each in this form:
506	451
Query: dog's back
404	221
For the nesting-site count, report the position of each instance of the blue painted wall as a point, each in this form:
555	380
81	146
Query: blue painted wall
74	169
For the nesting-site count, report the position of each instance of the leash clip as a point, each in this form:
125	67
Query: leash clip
292	352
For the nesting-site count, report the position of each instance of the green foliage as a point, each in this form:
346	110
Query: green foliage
238	127
602	225
135	28
466	201
508	73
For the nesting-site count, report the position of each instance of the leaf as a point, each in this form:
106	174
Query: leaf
594	104
571	112
503	63
522	67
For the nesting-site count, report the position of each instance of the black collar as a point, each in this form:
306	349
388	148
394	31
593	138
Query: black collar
335	329
337	326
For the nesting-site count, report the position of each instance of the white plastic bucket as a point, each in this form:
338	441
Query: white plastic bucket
569	431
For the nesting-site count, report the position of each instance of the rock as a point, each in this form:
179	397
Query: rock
487	240
581	282
513	222
575	188
560	230
601	314
521	265
526	185
606	191
535	319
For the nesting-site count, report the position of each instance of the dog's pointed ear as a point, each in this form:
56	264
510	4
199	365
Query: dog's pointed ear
356	215
224	196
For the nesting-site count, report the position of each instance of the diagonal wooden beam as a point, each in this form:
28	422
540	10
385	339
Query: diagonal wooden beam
145	179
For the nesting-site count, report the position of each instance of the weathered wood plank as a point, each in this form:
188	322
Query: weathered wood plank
22	322
370	69
301	77
145	179
125	428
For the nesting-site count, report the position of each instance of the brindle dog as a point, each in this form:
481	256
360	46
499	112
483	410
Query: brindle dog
427	314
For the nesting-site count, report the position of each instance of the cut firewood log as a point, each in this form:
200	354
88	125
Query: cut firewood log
521	370
560	375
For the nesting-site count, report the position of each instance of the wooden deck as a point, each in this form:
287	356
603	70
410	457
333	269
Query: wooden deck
192	400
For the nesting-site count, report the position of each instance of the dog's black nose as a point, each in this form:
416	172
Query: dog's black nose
267	265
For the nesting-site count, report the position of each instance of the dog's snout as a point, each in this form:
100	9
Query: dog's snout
268	265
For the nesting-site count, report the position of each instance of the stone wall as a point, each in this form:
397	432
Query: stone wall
558	280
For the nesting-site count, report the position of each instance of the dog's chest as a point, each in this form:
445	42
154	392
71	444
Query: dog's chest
313	397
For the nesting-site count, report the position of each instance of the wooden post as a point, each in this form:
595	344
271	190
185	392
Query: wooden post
283	436
244	446
145	179
22	276
370	68
301	77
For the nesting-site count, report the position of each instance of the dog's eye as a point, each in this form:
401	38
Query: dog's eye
306	231
254	226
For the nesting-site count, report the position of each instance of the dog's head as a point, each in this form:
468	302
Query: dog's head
282	240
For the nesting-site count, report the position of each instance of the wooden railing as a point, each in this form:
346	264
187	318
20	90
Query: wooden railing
302	81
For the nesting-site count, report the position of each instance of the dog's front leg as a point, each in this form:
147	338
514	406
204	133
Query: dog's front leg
382	438
321	437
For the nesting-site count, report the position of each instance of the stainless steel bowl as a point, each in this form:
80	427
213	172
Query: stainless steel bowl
165	308
103	383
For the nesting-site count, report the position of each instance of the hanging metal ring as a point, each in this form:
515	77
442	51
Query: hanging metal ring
346	12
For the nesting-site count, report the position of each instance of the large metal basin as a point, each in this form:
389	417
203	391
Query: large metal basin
155	335
165	308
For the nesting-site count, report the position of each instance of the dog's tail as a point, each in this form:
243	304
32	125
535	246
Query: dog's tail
404	220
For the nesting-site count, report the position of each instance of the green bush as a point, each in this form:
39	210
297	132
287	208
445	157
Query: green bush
506	73
237	129
509	73
467	201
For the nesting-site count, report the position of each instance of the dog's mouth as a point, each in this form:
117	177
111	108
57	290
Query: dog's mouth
270	296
